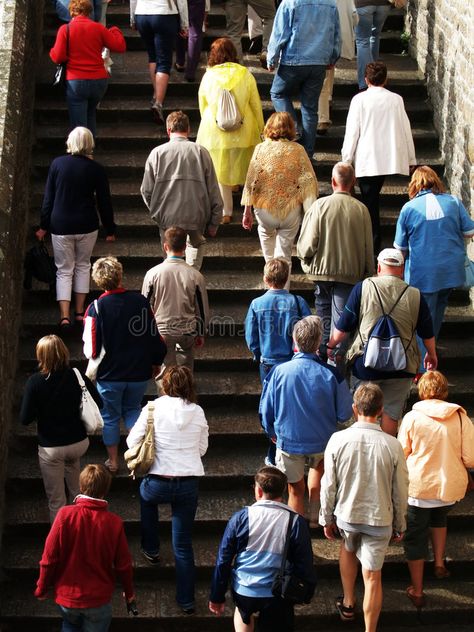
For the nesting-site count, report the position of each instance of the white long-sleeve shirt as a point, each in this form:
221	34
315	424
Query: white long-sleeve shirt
181	436
378	139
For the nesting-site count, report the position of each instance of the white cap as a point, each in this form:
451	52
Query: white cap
391	257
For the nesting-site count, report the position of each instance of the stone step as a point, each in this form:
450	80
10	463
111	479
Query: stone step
449	604
27	513
21	555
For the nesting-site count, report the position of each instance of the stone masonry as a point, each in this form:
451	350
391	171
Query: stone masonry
19	45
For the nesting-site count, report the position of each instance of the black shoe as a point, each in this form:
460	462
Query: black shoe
256	44
263	60
188	610
153	559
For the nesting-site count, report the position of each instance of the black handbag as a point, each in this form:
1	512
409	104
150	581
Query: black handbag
287	585
39	265
60	73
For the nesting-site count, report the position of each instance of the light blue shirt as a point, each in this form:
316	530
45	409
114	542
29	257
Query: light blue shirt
305	33
430	229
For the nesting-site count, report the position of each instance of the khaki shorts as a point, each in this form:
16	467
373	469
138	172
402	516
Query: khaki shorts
369	550
395	393
293	464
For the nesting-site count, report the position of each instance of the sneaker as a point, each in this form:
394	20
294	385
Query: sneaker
263	60
256	44
152	559
269	463
322	129
157	111
188	611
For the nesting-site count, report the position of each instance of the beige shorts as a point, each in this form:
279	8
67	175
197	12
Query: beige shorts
293	464
369	550
395	393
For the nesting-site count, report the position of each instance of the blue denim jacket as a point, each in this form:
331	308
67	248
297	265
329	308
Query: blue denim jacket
305	33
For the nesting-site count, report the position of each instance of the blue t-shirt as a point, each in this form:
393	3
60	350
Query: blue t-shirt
431	227
349	322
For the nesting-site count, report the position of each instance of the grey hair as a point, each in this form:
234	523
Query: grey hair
80	142
343	174
307	334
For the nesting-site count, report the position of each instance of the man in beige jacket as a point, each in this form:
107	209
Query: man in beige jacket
335	248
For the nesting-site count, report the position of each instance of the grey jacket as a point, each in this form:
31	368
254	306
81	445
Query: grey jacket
335	242
180	186
365	478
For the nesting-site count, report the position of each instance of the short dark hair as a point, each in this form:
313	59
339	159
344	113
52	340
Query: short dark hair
95	480
177	122
276	272
368	399
178	382
175	237
271	481
376	73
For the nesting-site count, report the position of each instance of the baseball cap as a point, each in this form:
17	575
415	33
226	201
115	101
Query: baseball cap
391	257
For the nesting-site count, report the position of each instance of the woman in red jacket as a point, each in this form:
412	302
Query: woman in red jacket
80	45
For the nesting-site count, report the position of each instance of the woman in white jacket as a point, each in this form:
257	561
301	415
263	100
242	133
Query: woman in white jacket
181	439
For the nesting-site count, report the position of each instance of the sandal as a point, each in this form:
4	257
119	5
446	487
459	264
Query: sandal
441	572
79	317
65	323
346	613
418	601
112	470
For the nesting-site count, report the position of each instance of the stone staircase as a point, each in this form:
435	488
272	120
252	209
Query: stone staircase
227	380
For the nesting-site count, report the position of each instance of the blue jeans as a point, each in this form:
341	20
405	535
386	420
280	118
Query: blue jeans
120	400
367	32
437	303
158	33
62	10
83	96
329	300
182	495
86	619
305	82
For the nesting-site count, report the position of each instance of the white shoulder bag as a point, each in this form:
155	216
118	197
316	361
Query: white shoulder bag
90	413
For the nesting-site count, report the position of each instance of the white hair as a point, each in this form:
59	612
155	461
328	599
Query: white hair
80	141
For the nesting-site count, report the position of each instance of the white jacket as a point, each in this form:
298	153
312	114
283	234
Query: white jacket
378	139
181	436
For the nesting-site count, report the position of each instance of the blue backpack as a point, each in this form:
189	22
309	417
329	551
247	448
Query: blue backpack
384	350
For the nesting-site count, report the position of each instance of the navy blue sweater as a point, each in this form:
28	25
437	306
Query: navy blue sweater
77	187
126	328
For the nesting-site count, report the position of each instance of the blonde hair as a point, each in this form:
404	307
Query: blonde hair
424	178
307	334
95	481
433	385
80	7
107	273
52	354
280	125
80	142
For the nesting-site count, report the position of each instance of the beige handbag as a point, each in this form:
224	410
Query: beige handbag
140	458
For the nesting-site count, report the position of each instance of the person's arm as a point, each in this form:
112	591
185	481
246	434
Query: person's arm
92	334
204	436
252	336
29	403
430	361
300	555
255	102
404	434
343	400
157	342
123	565
183	14
304	307
328	487
201	307
351	137
58	53
369	245
400	491
252	175
336	51
50	559
149	177
307	245
48	199
266	408
467	440
424	328
114	40
138	430
467	224
281	33
225	556
104	201
410	145
92	390
215	198
401	232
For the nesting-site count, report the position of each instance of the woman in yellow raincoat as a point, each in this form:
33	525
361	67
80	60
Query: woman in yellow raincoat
230	151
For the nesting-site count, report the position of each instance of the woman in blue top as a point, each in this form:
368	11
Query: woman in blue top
430	231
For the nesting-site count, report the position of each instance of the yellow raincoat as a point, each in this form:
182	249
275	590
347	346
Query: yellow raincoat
230	151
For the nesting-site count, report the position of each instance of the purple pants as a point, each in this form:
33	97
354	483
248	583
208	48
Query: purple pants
194	41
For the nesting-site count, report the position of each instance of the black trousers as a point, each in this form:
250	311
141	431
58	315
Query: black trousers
370	187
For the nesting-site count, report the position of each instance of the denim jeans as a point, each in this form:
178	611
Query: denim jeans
83	96
306	83
120	400
182	495
329	300
367	32
437	303
158	33
86	619
62	10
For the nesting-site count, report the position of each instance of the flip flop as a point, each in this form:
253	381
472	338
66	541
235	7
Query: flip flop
346	613
418	601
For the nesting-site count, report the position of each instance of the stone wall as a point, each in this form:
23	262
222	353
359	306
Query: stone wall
20	41
441	41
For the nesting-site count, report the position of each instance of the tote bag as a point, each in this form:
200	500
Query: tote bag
90	413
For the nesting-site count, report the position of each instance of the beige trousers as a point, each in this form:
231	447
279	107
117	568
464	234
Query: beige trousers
325	97
59	465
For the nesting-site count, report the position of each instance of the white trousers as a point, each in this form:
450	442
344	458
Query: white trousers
278	235
72	256
325	97
226	194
